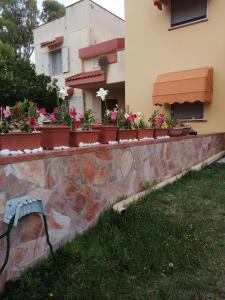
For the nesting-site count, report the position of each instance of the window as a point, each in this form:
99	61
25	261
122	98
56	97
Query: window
186	11
187	110
56	62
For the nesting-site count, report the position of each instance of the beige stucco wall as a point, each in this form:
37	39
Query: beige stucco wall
152	49
115	71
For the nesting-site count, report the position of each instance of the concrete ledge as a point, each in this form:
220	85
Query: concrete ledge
56	153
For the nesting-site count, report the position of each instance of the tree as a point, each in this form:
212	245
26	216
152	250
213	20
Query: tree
18	18
52	10
18	81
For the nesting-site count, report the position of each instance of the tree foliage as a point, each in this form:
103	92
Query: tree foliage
18	81
52	10
18	18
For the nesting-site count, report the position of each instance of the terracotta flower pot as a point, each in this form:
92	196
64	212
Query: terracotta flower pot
185	131
108	133
54	136
126	134
20	140
143	133
173	132
77	137
160	132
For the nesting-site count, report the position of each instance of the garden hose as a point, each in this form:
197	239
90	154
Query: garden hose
7	235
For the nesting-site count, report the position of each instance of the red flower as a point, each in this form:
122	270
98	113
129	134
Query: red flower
77	123
73	112
32	121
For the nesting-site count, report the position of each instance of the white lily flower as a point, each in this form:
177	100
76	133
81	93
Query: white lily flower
102	93
62	93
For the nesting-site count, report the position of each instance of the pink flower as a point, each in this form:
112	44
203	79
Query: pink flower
52	117
42	111
126	116
131	118
98	122
159	120
73	112
114	115
7	112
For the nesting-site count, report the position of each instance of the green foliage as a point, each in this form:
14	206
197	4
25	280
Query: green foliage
87	120
52	10
18	18
18	81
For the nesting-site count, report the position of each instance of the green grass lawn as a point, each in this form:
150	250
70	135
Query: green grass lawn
169	245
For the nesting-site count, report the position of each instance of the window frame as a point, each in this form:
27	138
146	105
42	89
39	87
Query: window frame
188	22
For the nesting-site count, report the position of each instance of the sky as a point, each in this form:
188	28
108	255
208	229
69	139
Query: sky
115	6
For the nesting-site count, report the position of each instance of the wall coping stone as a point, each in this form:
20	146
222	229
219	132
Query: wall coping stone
80	150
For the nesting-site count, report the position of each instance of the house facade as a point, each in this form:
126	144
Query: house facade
71	47
175	60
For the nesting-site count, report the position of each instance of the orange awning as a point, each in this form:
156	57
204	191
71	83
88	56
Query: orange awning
158	3
184	86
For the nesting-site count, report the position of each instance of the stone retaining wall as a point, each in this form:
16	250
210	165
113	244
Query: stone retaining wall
77	185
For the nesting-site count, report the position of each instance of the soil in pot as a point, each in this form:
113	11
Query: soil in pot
145	133
20	140
127	134
54	136
87	137
108	133
160	132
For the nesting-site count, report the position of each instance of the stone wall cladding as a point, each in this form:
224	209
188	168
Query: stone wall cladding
76	188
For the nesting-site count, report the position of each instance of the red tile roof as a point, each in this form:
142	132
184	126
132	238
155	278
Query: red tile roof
54	42
86	78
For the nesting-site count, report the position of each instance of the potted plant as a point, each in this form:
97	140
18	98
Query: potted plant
159	123
175	128
185	128
144	129
54	126
126	123
18	127
108	128
81	128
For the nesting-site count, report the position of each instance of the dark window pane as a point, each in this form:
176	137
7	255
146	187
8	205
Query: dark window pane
111	104
187	110
185	11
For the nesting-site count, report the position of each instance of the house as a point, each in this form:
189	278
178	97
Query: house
70	49
175	60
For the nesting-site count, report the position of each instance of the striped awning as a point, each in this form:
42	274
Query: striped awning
184	86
